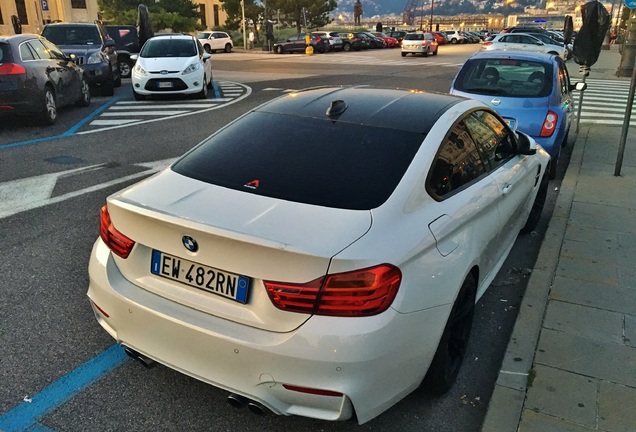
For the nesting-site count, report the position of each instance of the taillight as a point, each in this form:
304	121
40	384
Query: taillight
310	390
116	241
486	43
12	69
357	293
549	124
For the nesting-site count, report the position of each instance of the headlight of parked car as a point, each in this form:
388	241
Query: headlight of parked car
96	57
193	67
139	70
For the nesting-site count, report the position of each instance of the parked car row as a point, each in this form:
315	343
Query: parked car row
322	42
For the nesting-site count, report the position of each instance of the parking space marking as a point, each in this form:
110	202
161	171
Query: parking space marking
26	415
130	113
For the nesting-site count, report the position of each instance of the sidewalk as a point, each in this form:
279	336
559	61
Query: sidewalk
570	364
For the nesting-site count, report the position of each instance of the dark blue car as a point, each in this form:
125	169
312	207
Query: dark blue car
531	91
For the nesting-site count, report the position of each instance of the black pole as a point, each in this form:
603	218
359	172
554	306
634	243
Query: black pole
628	115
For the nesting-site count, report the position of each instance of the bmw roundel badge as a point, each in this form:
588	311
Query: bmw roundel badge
190	243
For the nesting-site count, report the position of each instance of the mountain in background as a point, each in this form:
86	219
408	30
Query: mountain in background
373	7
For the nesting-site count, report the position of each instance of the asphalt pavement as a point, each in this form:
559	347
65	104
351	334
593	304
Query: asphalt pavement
570	364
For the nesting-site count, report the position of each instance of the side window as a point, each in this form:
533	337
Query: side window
493	138
26	53
457	163
564	79
40	50
54	51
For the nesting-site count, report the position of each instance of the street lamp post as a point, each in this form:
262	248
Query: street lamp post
432	5
244	29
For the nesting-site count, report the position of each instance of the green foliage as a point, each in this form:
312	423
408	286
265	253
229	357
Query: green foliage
178	15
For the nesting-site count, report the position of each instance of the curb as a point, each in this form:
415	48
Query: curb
508	397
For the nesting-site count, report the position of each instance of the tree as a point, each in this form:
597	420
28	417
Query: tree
306	13
178	15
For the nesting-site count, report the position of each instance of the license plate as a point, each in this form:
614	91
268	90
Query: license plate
166	84
230	285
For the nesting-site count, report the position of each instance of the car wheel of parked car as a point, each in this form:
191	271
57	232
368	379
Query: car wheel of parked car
453	41
117	82
435	52
203	94
49	113
553	165
138	97
403	54
346	47
125	67
537	206
85	97
207	49
425	53
280	49
210	84
452	345
108	86
228	48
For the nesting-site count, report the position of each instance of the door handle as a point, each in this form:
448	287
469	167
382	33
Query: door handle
506	189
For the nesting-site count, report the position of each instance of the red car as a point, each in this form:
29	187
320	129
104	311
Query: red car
391	42
439	38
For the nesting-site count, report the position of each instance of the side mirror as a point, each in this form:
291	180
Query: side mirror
72	57
580	86
206	55
134	57
526	145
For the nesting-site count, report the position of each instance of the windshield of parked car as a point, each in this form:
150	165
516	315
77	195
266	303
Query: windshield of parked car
168	47
67	35
314	161
203	35
506	77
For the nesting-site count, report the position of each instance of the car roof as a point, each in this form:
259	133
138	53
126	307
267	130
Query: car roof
172	36
520	55
18	37
71	25
403	109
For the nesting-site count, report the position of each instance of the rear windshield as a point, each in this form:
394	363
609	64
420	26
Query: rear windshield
164	47
307	160
414	36
67	35
506	77
5	53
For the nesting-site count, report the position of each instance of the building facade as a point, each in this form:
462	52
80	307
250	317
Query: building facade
33	14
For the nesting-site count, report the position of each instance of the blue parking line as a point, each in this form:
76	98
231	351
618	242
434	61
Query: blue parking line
217	91
25	416
73	129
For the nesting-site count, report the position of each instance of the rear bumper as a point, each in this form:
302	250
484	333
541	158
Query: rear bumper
372	362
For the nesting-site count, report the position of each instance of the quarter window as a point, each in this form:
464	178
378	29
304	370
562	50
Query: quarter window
40	49
26	53
457	164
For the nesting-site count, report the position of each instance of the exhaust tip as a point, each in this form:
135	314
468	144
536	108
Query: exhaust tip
256	408
237	401
145	361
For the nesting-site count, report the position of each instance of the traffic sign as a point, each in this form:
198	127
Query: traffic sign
630	4
45	5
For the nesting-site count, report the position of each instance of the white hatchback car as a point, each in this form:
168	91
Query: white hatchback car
171	64
522	42
213	41
322	254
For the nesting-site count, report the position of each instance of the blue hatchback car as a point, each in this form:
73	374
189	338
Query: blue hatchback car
531	91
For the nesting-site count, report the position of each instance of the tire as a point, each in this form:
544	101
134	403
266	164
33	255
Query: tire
553	166
346	47
48	115
203	94
425	53
210	85
125	67
403	54
435	52
228	48
452	346
280	49
537	206
117	82
207	49
138	97
108	86
453	41
85	97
